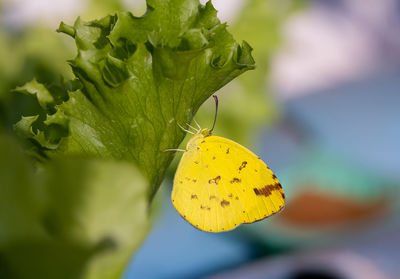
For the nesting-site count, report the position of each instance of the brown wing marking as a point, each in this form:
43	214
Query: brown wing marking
267	189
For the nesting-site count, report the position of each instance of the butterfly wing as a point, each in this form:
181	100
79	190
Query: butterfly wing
221	184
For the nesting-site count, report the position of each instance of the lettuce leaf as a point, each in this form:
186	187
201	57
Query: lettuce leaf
137	78
72	218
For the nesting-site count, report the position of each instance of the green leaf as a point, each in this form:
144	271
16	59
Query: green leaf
73	218
24	56
44	97
141	77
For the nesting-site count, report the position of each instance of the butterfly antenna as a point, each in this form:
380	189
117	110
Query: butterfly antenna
216	112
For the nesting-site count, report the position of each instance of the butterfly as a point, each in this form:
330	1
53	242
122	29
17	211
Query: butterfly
219	184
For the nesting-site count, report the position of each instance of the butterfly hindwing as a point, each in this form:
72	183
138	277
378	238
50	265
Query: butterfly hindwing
221	184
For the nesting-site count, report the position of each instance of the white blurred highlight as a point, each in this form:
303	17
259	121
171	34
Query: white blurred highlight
227	9
325	47
21	12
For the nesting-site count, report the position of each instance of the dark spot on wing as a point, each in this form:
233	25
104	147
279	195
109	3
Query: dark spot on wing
274	176
255	170
237	198
283	195
243	165
230	196
198	148
196	162
203	141
236	180
213	157
267	189
214	180
227	151
193	197
224	203
194	180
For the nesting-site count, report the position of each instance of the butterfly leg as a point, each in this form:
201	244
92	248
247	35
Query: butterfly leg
183	129
192	127
197	124
174	150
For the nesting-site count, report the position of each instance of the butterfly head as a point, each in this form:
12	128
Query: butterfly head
197	138
205	132
202	133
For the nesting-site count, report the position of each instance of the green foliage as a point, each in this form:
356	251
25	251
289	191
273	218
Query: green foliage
137	79
72	218
23	57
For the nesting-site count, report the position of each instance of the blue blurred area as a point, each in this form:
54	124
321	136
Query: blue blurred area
358	121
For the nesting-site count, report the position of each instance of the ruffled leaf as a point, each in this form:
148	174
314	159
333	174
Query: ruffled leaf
142	76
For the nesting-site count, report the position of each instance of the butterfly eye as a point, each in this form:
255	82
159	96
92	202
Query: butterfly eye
205	132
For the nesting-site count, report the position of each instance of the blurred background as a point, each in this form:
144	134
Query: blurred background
322	109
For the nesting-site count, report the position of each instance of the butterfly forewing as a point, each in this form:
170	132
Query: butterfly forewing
221	184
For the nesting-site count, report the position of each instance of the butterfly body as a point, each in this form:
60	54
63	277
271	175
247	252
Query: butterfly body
220	184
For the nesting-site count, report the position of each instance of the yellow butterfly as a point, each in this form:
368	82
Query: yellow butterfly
220	184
